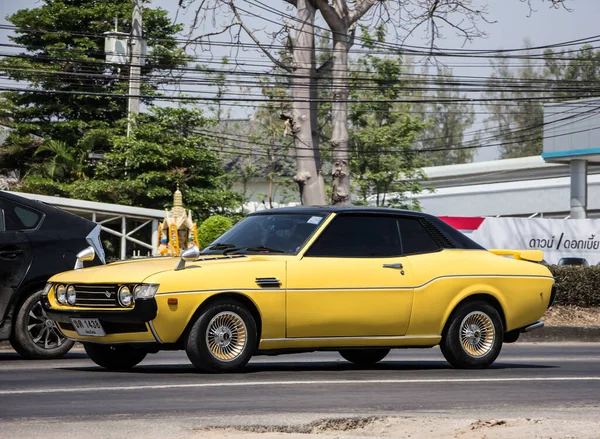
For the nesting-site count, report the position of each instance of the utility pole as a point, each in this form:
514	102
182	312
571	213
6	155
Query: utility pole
135	47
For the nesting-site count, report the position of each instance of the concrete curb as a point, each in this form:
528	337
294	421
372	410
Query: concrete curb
562	334
547	334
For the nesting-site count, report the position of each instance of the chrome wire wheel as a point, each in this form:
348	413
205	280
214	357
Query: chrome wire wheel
477	334
226	336
42	330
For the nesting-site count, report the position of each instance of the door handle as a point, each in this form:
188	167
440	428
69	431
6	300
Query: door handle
10	254
395	266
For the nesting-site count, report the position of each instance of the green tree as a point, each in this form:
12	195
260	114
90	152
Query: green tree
69	88
446	122
164	149
515	121
575	75
211	228
259	146
376	124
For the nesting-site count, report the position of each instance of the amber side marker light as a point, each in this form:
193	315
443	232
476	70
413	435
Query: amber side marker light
172	301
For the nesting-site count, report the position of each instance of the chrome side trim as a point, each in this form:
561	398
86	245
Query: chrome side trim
385	337
153	330
537	325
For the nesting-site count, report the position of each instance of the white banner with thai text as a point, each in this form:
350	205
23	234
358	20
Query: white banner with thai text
558	238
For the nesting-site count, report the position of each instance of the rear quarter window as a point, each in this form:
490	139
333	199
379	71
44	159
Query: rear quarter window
415	237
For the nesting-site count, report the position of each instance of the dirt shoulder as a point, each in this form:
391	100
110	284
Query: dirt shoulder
571	423
572	316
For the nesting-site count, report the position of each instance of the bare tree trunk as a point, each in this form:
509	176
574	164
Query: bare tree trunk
340	172
314	118
307	176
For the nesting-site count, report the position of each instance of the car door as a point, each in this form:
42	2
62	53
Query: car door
15	256
352	282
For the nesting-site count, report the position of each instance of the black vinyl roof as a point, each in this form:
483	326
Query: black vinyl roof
342	210
336	209
457	239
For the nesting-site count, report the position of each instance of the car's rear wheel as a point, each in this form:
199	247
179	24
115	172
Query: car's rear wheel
34	335
115	357
473	338
222	339
364	357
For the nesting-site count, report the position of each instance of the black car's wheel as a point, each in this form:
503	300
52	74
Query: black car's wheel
222	339
114	356
34	335
474	336
364	357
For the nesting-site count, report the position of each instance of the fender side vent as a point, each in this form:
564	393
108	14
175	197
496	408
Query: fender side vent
268	282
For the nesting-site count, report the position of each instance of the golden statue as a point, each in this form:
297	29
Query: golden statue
178	231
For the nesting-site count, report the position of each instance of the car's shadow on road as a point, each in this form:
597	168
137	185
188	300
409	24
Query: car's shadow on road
325	366
13	356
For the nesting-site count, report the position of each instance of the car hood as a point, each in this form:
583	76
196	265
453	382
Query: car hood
132	271
137	270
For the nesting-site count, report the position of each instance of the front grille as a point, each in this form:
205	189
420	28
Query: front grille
97	296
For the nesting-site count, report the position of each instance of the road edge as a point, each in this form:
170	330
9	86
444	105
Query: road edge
563	334
549	334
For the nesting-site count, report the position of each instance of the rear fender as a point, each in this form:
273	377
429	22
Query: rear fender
475	292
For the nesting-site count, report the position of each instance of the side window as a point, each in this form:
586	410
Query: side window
18	217
415	238
358	237
29	218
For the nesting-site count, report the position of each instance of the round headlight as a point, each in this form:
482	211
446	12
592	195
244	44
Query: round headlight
125	296
71	295
137	290
61	294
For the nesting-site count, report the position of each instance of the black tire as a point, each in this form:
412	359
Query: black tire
511	337
34	335
114	357
479	348
222	339
364	357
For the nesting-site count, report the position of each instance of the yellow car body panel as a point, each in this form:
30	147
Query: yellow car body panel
323	302
444	279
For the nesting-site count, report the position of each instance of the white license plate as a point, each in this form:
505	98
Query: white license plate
88	327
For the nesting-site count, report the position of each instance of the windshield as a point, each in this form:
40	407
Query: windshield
277	234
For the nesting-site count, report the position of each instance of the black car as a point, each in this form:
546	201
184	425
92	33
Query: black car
574	261
36	242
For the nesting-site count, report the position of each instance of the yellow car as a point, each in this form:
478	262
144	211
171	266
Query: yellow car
360	281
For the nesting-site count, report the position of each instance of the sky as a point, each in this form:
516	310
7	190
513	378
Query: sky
513	24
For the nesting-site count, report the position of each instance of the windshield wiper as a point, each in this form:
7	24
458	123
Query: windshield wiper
259	248
221	246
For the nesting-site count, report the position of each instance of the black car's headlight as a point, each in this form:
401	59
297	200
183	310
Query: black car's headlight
47	289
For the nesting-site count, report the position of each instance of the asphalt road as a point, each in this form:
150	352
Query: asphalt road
524	376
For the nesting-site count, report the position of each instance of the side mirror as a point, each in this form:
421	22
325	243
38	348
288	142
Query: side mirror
85	255
191	254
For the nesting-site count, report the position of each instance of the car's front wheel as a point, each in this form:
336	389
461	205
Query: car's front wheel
222	339
34	335
364	357
115	357
473	338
